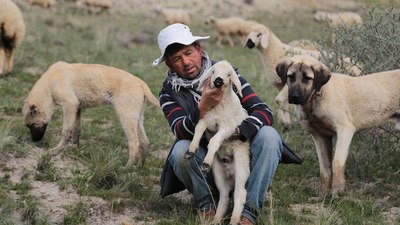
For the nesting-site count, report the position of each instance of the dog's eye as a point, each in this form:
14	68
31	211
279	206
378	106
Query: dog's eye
259	35
229	74
292	78
307	79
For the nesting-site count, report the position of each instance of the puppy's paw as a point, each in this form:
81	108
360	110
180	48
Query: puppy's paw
205	168
188	155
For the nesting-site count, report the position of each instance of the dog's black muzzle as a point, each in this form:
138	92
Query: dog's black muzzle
250	44
296	98
37	133
218	82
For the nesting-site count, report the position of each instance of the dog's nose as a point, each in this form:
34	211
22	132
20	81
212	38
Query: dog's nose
37	133
250	44
296	98
218	82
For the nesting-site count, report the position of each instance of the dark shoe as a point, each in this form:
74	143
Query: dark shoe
206	216
288	156
245	221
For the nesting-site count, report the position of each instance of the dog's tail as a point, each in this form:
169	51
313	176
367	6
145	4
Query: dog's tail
150	96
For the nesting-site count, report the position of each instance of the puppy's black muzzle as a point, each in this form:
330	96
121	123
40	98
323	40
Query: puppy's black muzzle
37	133
250	44
218	82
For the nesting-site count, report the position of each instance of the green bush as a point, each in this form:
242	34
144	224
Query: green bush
374	46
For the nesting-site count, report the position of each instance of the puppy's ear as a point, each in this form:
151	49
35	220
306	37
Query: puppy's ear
322	76
282	68
264	39
236	82
207	74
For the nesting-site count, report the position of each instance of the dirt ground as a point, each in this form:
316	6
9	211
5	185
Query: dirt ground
52	199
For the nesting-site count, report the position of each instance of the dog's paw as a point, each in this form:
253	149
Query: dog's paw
205	168
188	155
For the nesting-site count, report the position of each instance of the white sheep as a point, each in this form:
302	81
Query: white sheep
12	33
337	19
229	158
43	3
96	6
226	28
272	50
174	15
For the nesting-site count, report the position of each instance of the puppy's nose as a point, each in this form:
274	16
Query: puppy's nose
250	44
218	82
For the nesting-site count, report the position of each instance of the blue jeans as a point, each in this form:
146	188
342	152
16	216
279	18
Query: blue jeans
265	156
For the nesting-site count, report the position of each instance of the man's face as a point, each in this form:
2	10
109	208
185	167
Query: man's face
186	62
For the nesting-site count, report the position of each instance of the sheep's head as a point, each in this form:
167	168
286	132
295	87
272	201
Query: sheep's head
320	16
210	20
258	36
221	74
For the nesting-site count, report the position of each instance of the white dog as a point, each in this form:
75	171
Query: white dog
231	166
78	86
330	104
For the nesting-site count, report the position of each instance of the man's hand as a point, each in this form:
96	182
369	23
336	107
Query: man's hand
210	97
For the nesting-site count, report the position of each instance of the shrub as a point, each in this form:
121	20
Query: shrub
374	45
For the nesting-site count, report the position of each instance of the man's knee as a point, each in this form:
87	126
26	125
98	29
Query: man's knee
267	143
178	151
269	135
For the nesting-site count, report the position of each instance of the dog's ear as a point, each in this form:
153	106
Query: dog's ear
236	82
264	39
321	76
207	74
282	68
33	110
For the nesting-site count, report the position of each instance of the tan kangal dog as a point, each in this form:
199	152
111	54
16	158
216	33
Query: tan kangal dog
78	86
330	104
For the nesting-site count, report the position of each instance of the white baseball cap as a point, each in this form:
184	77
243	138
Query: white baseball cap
175	33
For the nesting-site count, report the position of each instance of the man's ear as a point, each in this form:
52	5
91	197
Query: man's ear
167	63
197	46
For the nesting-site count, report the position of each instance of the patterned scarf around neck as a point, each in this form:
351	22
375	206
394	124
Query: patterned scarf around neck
177	82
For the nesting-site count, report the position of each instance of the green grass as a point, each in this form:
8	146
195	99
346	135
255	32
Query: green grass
373	172
77	214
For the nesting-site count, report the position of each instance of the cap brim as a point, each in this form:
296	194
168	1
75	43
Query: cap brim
195	38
